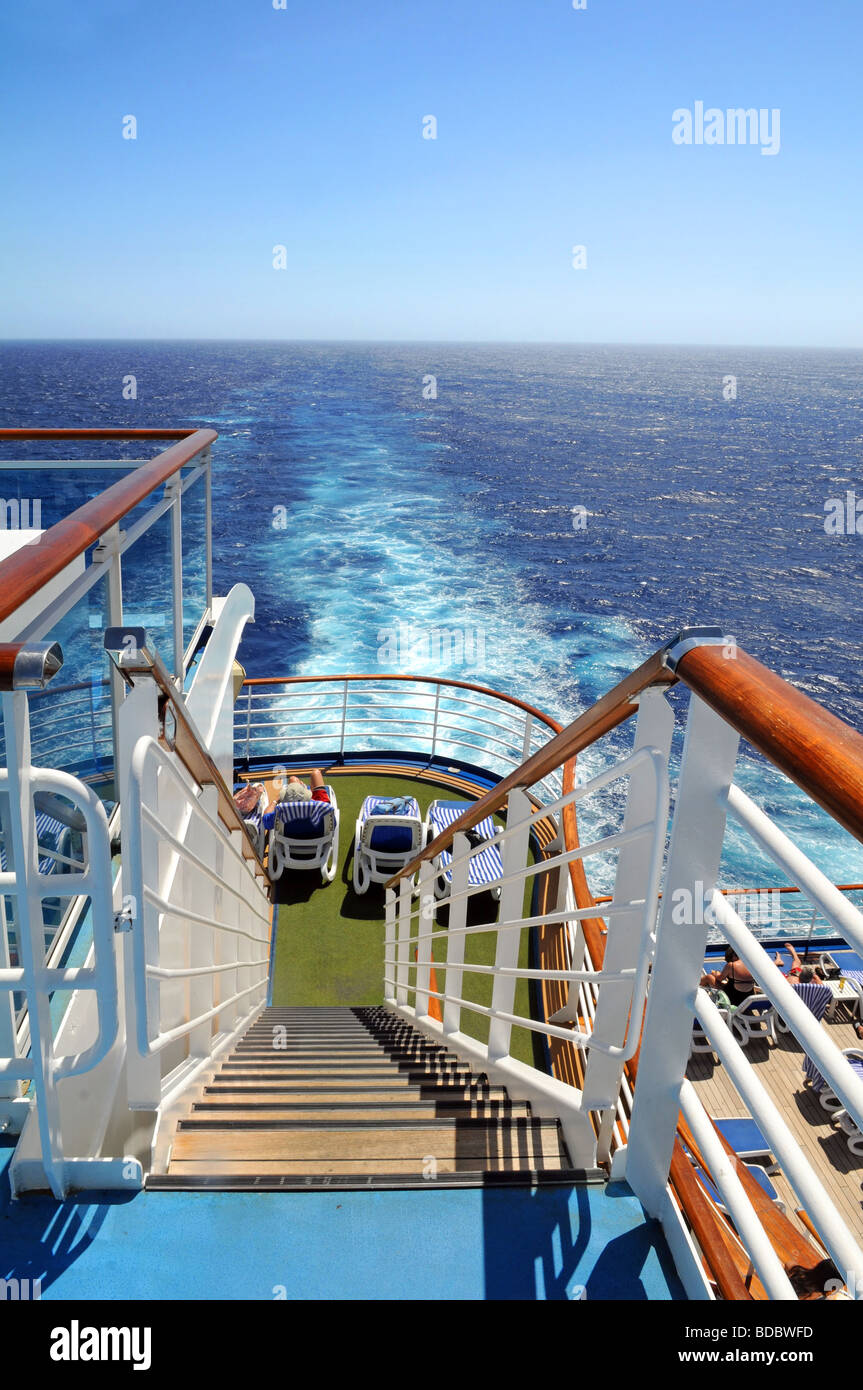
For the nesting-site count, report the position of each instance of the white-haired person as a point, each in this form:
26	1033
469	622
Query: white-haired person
297	790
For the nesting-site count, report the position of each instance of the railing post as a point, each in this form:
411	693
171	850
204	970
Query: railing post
423	947
402	974
207	462
390	946
174	490
698	829
455	939
528	735
654	729
514	857
139	716
435	723
344	719
107	552
248	723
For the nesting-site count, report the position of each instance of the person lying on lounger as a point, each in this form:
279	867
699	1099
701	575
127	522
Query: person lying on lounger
803	974
295	790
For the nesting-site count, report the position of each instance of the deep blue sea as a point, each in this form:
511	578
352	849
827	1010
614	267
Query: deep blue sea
457	511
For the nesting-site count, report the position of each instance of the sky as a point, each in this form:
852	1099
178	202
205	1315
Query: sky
302	127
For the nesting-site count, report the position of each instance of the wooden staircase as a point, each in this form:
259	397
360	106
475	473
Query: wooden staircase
354	1098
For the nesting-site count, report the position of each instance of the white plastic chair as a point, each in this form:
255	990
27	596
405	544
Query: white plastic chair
752	1019
386	840
306	836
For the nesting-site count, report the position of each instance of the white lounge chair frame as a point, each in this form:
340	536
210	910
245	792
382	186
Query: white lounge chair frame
319	853
377	866
746	1024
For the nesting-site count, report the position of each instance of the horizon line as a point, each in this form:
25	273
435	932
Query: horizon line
465	342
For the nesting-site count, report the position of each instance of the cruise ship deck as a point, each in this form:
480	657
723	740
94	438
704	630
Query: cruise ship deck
779	1065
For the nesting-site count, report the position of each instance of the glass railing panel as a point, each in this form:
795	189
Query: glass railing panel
70	720
148	587
194	513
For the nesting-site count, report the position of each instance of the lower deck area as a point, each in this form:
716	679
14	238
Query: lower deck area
330	939
779	1067
541	1243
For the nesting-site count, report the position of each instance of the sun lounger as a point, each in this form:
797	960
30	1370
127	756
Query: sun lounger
752	1019
389	834
254	819
486	866
826	1094
305	835
747	1141
847	960
758	1174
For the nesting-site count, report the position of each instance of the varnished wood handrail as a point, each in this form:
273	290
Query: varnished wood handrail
606	714
23	574
818	751
707	1227
114	433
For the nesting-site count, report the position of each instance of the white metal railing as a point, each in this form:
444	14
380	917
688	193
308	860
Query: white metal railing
202	919
706	794
36	1060
414	944
434	719
636	1125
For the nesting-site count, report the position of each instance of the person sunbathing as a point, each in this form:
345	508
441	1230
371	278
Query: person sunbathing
804	974
734	979
295	790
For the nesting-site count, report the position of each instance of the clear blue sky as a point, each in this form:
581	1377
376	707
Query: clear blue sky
303	127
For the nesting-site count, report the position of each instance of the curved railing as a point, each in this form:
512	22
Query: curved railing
321	718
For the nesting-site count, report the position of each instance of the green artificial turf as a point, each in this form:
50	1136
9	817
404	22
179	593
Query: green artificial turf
330	940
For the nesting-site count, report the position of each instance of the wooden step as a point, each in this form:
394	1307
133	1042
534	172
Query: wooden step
532	1143
354	1098
238	1094
380	1111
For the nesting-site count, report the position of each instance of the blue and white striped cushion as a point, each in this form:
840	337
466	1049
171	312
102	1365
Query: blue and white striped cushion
305	820
48	835
816	998
486	865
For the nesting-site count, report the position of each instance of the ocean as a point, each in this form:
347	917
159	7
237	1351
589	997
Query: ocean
566	508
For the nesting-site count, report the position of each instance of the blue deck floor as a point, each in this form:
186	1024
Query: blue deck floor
453	1244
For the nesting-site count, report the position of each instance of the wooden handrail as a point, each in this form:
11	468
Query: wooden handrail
707	1227
546	719
23	574
120	433
818	751
606	714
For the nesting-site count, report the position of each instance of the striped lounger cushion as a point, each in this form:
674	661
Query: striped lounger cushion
303	820
49	833
486	866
